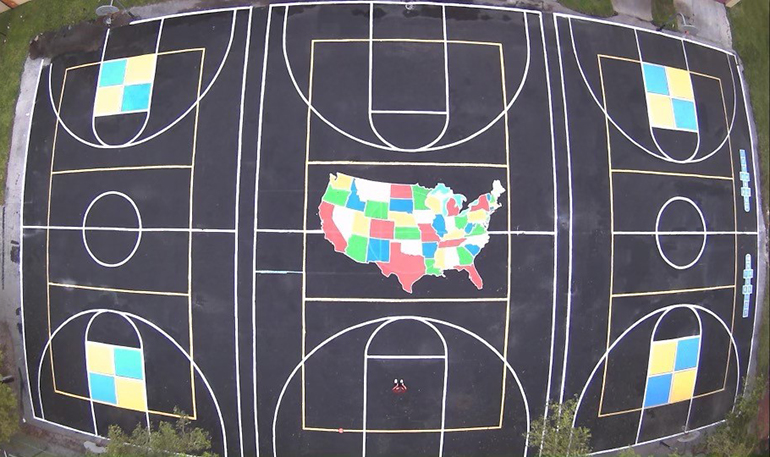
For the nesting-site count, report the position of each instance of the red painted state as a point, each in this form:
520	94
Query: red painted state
382	229
407	268
331	232
428	233
482	203
451	208
400	191
473	274
451	243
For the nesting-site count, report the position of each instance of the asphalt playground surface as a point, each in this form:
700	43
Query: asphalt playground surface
173	256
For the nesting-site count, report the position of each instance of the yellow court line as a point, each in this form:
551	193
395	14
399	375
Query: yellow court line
112	289
425	430
144	167
404	40
626	59
409	164
306	299
668	173
673	291
151	411
508	214
163	53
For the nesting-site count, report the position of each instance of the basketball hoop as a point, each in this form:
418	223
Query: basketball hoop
108	12
409	6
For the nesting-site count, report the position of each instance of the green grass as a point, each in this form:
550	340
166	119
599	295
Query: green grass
662	12
600	8
20	26
749	21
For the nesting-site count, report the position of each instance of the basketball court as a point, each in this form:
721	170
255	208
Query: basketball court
175	255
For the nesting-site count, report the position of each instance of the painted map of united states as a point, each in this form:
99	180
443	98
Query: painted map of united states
407	230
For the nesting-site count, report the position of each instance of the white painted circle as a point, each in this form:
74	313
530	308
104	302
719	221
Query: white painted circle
702	233
138	230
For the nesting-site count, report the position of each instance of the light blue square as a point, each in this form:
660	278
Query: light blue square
378	251
136	97
102	388
687	353
658	388
128	363
684	114
112	73
655	79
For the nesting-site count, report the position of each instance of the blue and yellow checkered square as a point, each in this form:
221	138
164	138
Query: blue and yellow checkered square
125	85
671	371
670	98
116	375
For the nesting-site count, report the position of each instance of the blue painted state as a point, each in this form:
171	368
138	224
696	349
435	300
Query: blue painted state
402	205
128	363
429	250
354	201
684	114
378	250
472	248
439	225
102	388
468	227
658	388
687	353
655	80
136	97
112	73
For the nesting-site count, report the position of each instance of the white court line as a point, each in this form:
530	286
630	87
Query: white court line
21	235
411	164
406	357
680	233
277	272
615	124
656	440
491	232
657	237
396	2
61	122
127	229
405	150
396	111
236	322
189	13
256	230
569	177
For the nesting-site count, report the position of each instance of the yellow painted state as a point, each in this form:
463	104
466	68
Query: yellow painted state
360	224
402	219
679	83
440	257
108	100
661	111
131	394
434	204
682	386
140	69
477	216
341	182
454	235
99	358
662	357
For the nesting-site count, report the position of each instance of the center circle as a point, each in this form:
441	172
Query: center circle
127	233
659	233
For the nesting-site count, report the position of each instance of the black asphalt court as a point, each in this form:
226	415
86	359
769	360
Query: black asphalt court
388	230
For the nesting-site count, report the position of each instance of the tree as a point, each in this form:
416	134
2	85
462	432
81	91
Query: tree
737	435
554	435
9	414
167	439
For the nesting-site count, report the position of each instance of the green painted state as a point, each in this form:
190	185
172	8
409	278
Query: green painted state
376	210
336	196
356	249
465	256
419	194
407	233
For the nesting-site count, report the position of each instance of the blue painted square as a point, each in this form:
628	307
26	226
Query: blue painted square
128	363
684	114
655	80
429	250
658	388
136	97
401	205
112	73
378	250
687	353
102	388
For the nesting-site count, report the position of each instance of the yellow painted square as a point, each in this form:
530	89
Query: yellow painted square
100	358
682	386
661	111
131	394
662	357
679	83
360	224
140	69
402	219
108	100
342	182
